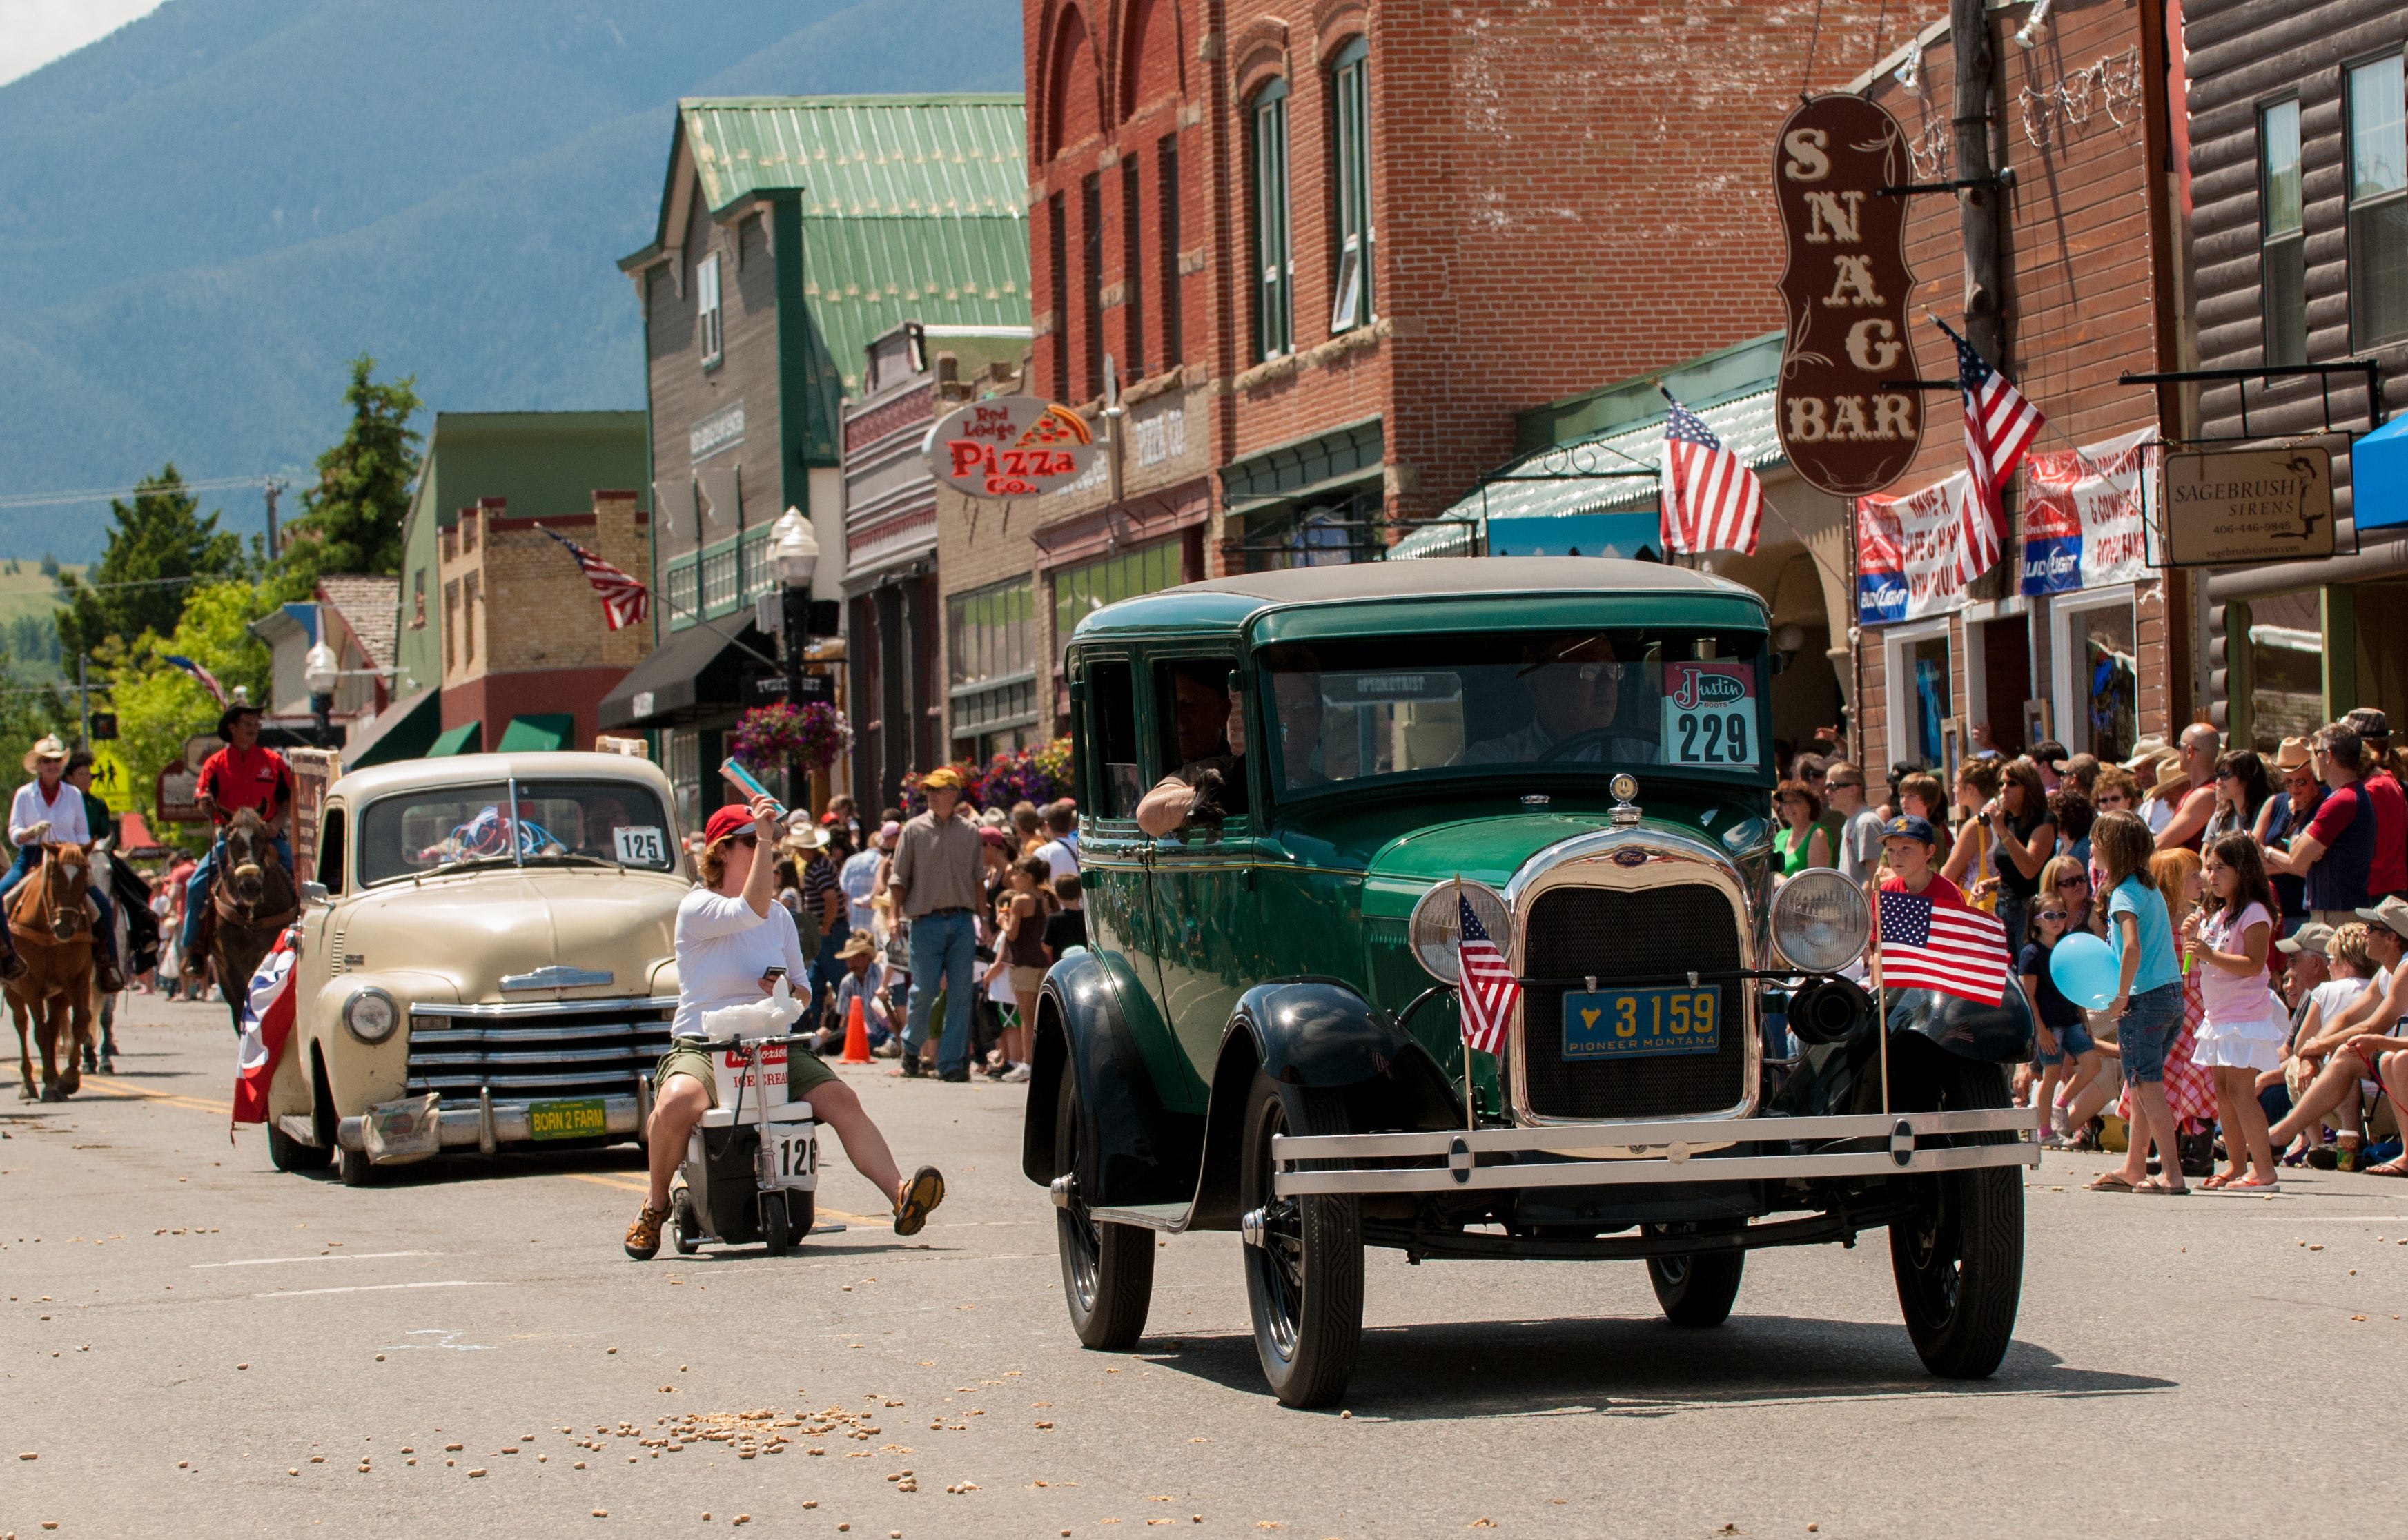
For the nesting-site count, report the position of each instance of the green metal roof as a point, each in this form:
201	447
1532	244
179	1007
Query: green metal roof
862	278
545	463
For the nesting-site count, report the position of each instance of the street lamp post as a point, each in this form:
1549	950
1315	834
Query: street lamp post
321	671
795	556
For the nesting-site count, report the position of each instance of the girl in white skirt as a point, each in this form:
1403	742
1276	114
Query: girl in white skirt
2228	936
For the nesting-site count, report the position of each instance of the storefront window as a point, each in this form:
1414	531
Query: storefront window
684	753
990	651
2106	690
1080	591
1928	699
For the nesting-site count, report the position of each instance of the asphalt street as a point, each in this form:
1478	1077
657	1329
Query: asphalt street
196	1344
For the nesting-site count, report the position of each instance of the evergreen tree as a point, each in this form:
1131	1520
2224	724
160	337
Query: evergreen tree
160	540
353	523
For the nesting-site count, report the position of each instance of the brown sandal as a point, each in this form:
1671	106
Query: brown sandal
918	1197
644	1235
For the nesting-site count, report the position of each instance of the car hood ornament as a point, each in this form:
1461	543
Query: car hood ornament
1625	814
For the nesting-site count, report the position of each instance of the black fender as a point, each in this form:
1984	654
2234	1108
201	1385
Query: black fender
1316	1032
1093	1021
1989	1034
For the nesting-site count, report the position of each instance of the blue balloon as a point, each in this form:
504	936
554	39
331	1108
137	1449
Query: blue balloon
2085	970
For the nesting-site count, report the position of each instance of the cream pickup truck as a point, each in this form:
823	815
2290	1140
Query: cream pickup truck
485	960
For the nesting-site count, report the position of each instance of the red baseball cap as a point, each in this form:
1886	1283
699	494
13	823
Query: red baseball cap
731	819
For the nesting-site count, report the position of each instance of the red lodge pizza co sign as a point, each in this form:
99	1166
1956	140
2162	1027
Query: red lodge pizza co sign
1845	288
1009	446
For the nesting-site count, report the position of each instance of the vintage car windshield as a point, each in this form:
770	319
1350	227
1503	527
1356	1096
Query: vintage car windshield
1453	706
569	822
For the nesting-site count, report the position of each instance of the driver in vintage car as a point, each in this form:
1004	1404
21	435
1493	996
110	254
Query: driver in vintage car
1211	781
1575	694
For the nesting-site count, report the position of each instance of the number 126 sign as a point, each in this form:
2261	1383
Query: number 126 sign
1009	446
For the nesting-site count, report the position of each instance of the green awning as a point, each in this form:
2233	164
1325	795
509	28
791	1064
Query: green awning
403	730
459	740
542	732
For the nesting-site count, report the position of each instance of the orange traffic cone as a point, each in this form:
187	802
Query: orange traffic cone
856	1035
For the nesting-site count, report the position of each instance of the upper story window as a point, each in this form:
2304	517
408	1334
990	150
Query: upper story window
706	312
2283	247
2379	203
1350	99
1274	267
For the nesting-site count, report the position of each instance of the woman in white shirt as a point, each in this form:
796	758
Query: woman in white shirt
731	933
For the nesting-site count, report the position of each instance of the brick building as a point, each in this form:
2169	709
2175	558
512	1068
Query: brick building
526	655
2091	291
1328	250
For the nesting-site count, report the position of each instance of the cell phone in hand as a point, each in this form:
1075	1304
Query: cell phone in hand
742	780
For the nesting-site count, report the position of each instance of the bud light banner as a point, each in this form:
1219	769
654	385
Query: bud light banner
1906	553
2085	516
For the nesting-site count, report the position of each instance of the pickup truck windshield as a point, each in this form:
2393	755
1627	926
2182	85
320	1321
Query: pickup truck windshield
620	823
1449	707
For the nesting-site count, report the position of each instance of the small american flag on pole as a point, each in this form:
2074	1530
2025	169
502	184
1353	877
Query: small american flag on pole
1488	989
201	676
1712	500
1999	425
1957	951
624	601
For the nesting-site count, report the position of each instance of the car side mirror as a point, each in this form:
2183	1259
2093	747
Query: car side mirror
314	892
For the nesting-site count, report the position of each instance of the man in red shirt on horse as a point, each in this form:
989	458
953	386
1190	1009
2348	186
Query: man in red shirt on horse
240	775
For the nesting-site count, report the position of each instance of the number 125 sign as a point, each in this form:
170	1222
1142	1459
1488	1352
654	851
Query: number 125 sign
1709	713
1009	446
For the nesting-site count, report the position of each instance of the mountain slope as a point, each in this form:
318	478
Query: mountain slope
455	180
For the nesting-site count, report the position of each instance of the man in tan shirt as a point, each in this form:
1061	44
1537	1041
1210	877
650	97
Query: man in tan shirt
936	886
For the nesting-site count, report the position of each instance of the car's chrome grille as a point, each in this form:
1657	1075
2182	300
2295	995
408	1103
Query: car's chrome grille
576	1048
1572	932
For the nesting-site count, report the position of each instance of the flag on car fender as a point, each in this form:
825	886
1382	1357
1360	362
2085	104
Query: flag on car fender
267	1023
1957	951
1489	987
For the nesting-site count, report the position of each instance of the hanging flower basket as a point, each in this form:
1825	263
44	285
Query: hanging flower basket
813	735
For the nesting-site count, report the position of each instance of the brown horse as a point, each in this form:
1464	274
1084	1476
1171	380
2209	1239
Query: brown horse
52	929
254	899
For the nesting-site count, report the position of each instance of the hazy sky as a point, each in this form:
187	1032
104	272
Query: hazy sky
35	32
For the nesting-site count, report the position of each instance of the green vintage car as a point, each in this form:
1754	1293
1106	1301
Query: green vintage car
1264	1035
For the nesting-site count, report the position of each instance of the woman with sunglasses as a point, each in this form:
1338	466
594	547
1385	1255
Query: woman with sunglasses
734	941
2284	816
2242	791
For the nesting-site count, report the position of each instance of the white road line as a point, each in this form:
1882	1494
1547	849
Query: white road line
323	1257
373	1289
2331	1218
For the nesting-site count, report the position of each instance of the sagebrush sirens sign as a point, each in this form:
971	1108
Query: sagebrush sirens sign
1845	287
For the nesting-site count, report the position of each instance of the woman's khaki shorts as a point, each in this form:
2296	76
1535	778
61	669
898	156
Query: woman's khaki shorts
804	1071
1026	980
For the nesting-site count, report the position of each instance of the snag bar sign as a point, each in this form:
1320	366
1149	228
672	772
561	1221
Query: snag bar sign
1845	289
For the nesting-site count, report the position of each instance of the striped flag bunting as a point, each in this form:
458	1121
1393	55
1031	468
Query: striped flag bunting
1957	951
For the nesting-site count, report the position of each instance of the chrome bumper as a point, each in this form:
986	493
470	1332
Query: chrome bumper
484	1125
1623	1154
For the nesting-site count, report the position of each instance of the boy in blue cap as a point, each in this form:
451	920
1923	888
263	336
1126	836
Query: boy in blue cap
1906	862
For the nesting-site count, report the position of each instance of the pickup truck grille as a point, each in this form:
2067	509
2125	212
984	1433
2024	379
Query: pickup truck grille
1616	934
536	1049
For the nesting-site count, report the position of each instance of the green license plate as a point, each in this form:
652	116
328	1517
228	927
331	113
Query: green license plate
1643	1023
582	1119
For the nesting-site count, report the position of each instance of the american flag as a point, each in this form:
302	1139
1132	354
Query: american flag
1954	950
624	601
1999	425
1711	501
1489	988
201	676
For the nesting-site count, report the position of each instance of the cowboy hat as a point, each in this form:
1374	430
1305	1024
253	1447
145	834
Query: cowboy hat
2293	755
859	946
2148	751
2174	782
226	717
805	838
45	747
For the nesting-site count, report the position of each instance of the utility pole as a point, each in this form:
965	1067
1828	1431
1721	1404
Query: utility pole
272	488
83	693
1979	195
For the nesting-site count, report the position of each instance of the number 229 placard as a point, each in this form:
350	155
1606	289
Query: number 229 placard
1709	713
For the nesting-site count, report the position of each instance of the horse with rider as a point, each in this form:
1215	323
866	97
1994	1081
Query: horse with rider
241	893
61	930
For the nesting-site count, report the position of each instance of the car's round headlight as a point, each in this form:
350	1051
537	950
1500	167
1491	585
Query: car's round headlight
1820	921
371	1016
1437	923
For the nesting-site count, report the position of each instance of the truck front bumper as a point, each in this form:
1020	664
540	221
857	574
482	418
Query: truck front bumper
485	1125
1621	1154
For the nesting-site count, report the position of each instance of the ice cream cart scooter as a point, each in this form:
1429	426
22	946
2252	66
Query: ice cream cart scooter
751	1165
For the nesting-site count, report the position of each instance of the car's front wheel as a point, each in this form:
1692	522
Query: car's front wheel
1304	1254
288	1154
353	1167
1695	1287
1959	1257
1106	1270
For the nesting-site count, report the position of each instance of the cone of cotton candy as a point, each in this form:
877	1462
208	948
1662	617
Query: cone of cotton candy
767	1017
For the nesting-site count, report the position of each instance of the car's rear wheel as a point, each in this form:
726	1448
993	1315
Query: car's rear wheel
1695	1287
1304	1254
682	1231
288	1154
1106	1270
1959	1259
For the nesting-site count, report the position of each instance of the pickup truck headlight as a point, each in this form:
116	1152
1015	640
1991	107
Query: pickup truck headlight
371	1014
1820	921
1433	931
